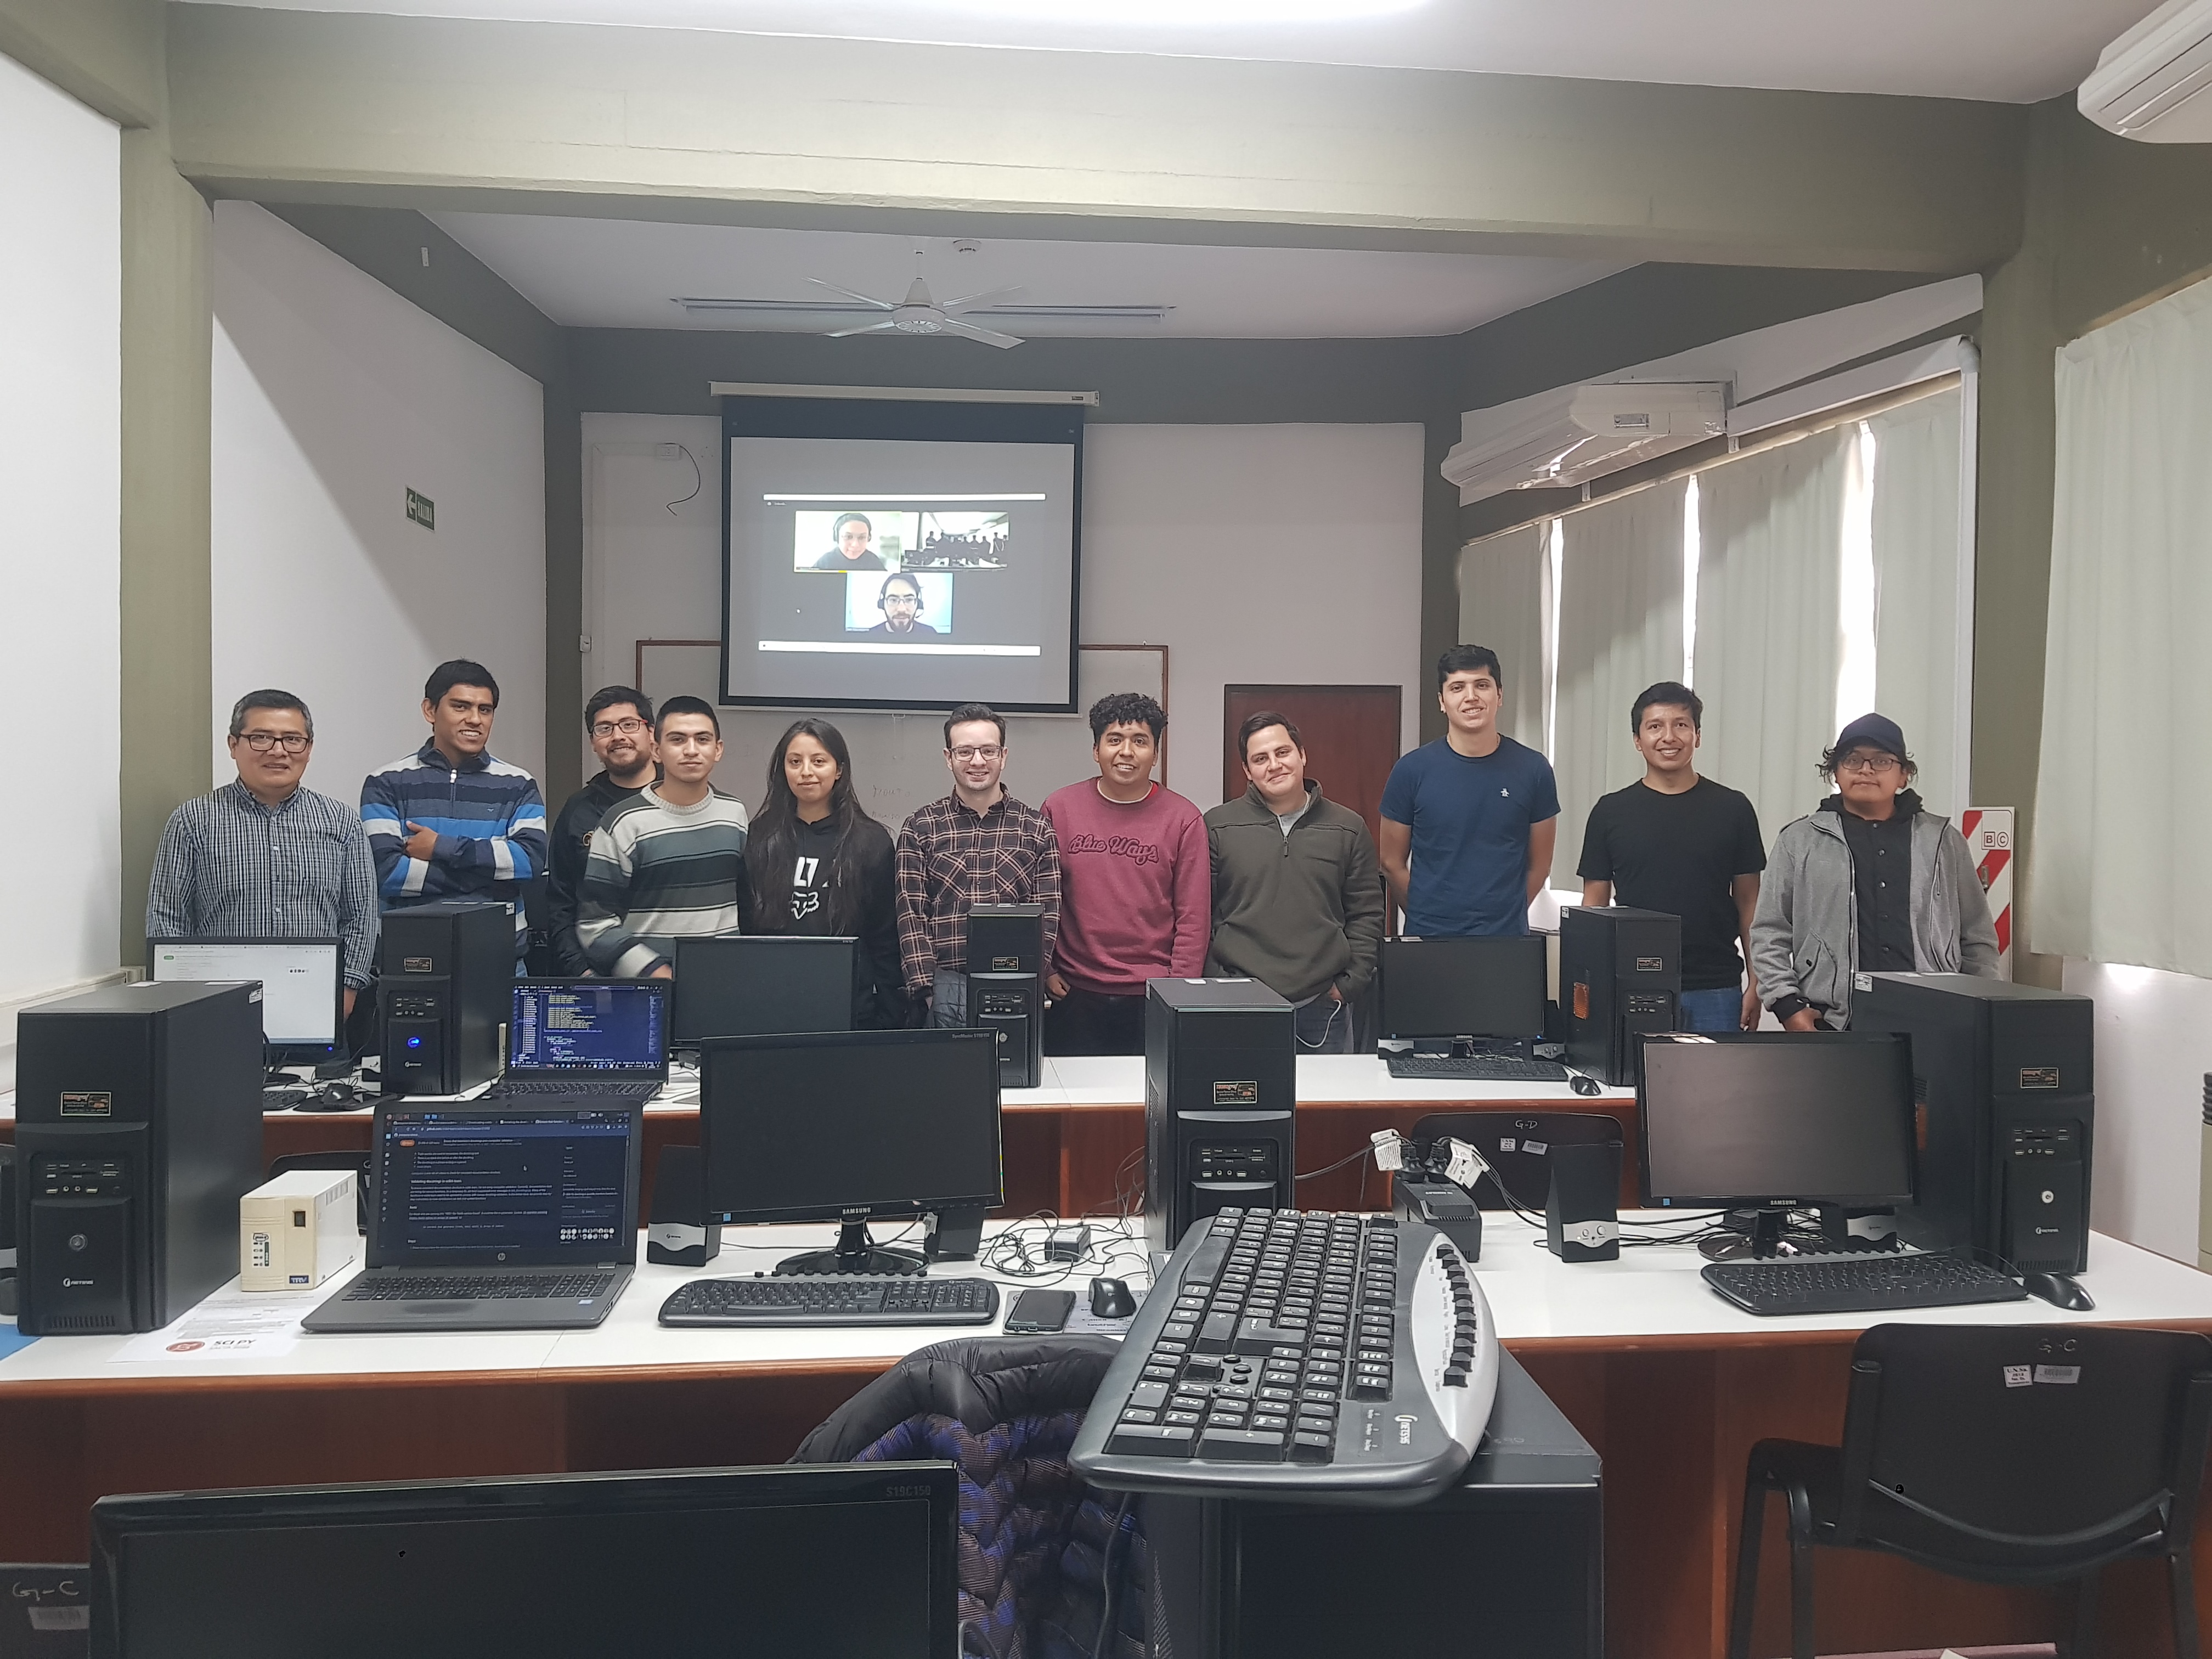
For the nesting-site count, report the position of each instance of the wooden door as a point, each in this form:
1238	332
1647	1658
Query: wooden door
1350	733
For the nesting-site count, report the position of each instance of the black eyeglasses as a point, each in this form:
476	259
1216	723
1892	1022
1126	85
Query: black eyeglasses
291	742
629	727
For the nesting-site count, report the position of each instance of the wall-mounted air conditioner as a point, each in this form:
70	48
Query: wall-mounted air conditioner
1574	434
2149	84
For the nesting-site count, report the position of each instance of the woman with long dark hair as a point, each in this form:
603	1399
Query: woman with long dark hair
819	865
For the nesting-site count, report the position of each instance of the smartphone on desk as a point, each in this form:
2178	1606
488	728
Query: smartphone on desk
1037	1311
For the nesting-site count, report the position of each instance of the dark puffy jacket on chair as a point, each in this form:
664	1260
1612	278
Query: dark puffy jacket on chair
1034	1535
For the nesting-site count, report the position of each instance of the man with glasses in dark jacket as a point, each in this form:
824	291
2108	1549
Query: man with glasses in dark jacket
619	723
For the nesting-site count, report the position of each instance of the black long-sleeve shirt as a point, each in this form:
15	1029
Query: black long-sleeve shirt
858	862
564	877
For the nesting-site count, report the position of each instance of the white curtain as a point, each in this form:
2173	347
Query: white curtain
1916	566
1504	600
1620	630
2123	796
1768	634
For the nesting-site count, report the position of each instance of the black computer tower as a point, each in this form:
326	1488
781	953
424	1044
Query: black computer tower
1006	987
138	1130
1220	1102
445	995
2005	1093
1620	976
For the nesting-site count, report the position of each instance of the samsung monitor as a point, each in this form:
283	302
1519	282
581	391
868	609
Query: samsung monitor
302	987
563	1566
1487	988
847	1126
1776	1121
761	984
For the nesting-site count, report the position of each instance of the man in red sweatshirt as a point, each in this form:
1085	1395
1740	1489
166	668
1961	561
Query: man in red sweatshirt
1136	886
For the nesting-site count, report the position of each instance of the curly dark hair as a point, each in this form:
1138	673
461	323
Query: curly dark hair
1121	707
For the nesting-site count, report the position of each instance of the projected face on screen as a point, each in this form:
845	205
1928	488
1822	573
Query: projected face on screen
958	561
906	605
875	540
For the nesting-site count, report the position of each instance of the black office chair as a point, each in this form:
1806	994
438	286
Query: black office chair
2013	1454
357	1162
1503	1139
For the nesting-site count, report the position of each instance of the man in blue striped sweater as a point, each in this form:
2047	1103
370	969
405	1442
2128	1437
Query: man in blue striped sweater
451	821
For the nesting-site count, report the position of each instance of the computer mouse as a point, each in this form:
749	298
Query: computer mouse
1582	1085
2060	1290
1110	1299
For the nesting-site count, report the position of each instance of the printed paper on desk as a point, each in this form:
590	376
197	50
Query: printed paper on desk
220	1330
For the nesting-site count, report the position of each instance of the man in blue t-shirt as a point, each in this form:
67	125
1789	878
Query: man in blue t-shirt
1469	821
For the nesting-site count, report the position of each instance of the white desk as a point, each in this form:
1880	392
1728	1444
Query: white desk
1669	1382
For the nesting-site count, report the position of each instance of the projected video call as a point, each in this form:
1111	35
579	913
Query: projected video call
876	572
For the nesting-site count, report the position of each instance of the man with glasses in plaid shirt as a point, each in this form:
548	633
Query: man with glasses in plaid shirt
265	858
976	846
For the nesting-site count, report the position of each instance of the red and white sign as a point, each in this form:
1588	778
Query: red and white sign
1988	830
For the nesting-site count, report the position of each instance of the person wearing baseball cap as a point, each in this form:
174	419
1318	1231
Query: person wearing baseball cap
1868	882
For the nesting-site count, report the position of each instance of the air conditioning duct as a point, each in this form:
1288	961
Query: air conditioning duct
2149	83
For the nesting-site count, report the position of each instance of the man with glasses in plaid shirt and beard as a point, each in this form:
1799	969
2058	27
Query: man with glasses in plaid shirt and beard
976	846
264	857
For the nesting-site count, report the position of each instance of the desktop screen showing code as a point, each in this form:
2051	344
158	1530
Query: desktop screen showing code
511	1182
585	1028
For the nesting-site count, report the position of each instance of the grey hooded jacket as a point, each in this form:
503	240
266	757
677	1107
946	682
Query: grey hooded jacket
1804	940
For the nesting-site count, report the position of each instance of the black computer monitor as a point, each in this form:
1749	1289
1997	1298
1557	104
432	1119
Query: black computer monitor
567	1566
1489	988
847	1126
760	985
302	987
1776	1121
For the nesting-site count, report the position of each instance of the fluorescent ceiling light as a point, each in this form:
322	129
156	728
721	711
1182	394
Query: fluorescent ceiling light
1187	13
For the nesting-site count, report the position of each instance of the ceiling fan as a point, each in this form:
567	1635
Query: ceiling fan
919	313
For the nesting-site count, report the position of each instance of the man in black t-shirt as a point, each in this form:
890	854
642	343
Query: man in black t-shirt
1686	845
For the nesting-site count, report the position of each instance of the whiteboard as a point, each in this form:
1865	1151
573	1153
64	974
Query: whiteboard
898	760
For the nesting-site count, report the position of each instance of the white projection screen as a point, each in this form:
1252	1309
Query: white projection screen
900	555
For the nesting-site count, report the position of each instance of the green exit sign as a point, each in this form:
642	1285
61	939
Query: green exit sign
422	510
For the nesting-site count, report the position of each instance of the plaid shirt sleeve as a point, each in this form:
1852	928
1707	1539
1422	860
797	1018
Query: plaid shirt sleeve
169	905
1046	888
358	908
917	956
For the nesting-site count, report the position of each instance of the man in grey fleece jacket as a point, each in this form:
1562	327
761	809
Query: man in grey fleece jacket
1868	882
1297	890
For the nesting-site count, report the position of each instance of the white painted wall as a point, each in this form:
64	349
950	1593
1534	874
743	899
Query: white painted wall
2154	1036
332	398
61	366
1255	554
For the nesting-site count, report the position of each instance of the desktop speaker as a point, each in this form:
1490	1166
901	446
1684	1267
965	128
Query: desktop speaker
678	1234
1220	1102
445	990
1581	1215
952	1234
1620	976
1006	987
2005	1096
137	1131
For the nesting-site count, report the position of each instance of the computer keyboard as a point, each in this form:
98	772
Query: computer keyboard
1859	1284
1479	1068
1337	1357
583	1086
861	1299
485	1287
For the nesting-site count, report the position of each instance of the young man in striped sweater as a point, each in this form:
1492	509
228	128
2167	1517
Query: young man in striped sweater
451	821
668	862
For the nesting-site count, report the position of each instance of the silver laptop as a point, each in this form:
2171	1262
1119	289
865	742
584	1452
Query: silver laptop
572	1038
516	1217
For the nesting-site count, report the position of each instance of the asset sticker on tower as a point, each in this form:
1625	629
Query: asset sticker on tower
1236	1094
